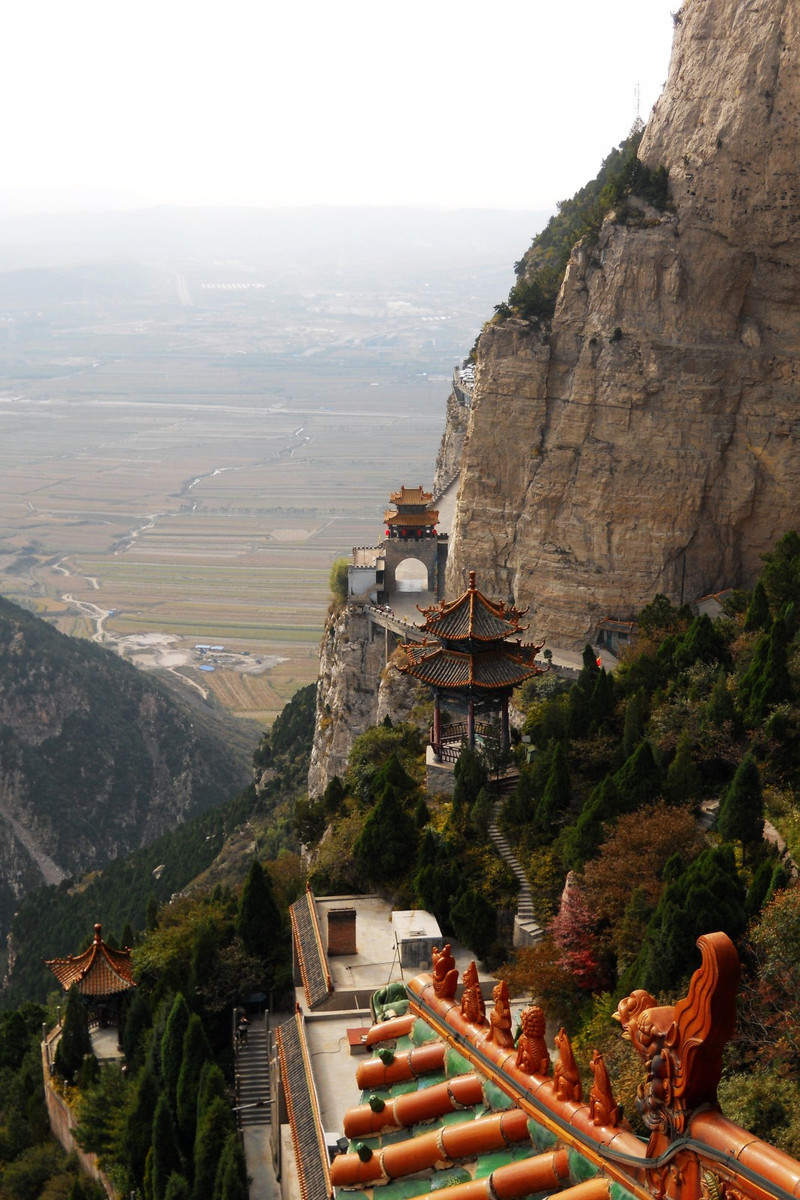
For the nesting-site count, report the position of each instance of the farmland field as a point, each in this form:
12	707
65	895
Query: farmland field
184	453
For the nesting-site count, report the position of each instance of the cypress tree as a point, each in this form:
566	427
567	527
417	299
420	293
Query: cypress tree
707	894
166	1155
213	1129
757	892
171	1048
720	708
388	840
638	780
758	616
258	921
557	797
212	1085
470	776
177	1188
683	778
585	836
636	714
779	881
781	574
196	1052
741	813
75	1041
137	1021
474	921
231	1178
139	1126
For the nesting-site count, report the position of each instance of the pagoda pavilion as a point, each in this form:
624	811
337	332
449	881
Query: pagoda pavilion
411	518
103	976
472	658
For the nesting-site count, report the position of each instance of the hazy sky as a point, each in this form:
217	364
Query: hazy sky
513	104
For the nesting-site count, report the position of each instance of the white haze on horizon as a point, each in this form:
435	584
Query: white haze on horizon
443	103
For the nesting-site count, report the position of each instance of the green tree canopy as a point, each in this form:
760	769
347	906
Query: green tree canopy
741	813
75	1041
258	921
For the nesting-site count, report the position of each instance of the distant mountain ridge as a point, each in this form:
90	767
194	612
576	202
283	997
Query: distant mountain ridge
96	758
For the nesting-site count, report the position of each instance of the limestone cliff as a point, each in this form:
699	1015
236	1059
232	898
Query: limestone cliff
646	438
354	692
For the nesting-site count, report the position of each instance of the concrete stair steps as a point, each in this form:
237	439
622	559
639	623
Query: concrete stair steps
253	1079
524	922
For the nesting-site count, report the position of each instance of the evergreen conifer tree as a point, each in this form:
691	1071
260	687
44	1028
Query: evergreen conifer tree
637	711
139	1125
470	776
741	813
638	780
388	840
75	1041
758	617
171	1048
683	779
166	1155
212	1085
177	1188
781	573
231	1179
757	892
601	809
196	1052
258	921
213	1128
706	895
474	920
720	708
555	802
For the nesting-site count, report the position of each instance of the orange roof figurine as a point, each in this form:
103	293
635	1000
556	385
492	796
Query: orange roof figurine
99	971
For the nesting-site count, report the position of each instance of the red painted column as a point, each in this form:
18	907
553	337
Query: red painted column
504	727
437	724
471	724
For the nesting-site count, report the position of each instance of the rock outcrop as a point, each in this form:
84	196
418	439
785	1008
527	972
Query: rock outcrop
646	439
355	690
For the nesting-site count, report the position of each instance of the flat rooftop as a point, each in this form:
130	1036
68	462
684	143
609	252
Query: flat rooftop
375	963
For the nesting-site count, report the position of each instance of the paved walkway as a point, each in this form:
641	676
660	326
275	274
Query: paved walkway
254	1108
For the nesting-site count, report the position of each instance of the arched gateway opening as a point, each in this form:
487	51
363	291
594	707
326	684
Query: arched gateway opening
411	575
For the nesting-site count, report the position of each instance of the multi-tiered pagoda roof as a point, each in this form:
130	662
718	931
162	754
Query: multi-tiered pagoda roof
411	514
473	650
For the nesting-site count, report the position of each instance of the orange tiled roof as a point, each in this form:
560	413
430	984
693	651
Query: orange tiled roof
415	495
505	1122
429	517
99	971
486	670
473	618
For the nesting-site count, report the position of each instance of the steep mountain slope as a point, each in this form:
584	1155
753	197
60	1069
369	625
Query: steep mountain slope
644	439
96	758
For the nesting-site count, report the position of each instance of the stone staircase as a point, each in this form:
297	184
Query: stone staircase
527	931
252	1076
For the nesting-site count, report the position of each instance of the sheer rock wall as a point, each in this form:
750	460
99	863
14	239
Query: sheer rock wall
647	441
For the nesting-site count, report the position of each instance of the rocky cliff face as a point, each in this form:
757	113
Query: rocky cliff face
355	690
646	439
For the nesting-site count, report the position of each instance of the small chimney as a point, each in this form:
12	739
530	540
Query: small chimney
341	931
